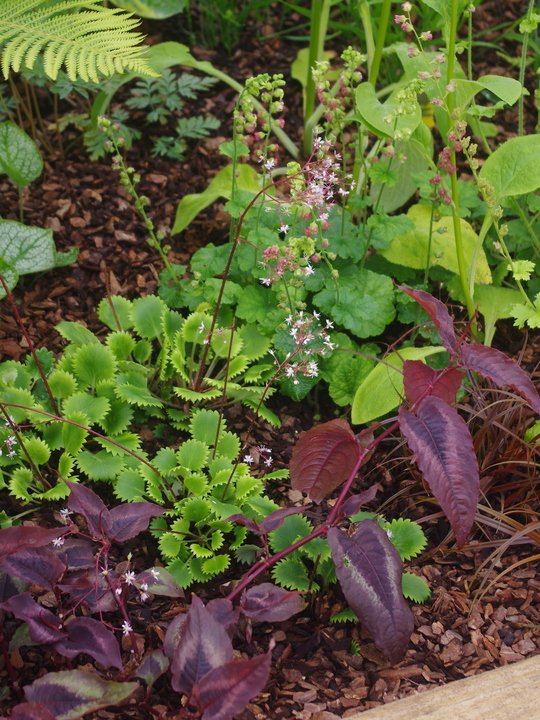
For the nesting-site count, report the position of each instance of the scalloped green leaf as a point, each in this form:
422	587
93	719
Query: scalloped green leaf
76	333
62	383
221	343
406	536
196	484
99	466
118	418
200	551
292	573
93	363
415	588
74	436
294	528
127	441
204	426
95	408
228	445
193	396
195	509
121	344
255	343
136	395
122	307
147	315
192	455
130	486
20	482
217	564
36	449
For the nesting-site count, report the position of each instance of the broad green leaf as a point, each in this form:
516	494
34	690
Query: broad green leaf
444	8
74	436
130	486
62	384
36	449
411	249
27	249
374	114
19	155
99	466
204	426
152	9
506	88
147	315
382	390
292	573
220	187
95	408
495	303
406	536
192	454
514	167
122	307
255	303
347	376
76	333
93	363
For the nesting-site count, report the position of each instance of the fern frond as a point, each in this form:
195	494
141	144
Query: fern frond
93	41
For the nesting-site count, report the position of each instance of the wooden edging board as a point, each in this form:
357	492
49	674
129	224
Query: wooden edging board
508	693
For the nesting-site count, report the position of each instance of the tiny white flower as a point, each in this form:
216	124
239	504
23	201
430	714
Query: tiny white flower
144	596
284	229
269	164
266	281
154	573
58	542
201	327
329	324
118	591
316	315
248	459
308	270
268	462
129	577
126	627
144	586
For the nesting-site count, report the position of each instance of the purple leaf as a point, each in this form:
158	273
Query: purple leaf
153	665
159	582
353	504
86	635
38	566
84	501
277	517
93	590
225	691
267	602
223	611
323	458
44	627
251	525
420	380
369	570
72	693
499	368
10	587
15	538
130	519
75	554
204	645
444	452
439	314
173	635
31	711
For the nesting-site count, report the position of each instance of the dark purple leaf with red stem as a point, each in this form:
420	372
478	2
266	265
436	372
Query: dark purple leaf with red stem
439	314
353	504
267	602
251	525
153	665
369	570
323	459
444	452
86	635
31	711
499	368
91	589
130	519
15	538
38	566
44	627
173	635
84	501
420	380
10	587
75	554
203	646
275	519
225	691
223	611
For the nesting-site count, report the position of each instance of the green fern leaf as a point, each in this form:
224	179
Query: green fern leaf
95	41
196	126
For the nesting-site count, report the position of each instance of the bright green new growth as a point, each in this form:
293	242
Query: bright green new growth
87	38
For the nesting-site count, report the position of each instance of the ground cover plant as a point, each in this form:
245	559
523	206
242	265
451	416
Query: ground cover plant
336	232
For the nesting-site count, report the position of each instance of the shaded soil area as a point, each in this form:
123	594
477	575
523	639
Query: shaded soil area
314	675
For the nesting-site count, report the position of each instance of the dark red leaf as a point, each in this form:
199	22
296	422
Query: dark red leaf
275	519
271	603
130	519
369	570
84	501
75	554
73	693
499	368
420	380
251	525
203	646
38	566
159	582
226	690
223	611
444	452
10	587
173	635
439	314
90	588
15	538
86	635
31	711
353	504
44	627
153	665
323	458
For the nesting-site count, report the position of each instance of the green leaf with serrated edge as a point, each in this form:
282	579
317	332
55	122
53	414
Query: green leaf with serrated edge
255	343
406	536
234	149
18	396
237	366
411	249
200	551
121	344
76	333
221	186
69	694
193	396
135	395
181	572
74	436
217	564
317	548
204	426
372	113
95	408
152	9
196	509
384	228
255	304
165	460
118	418
223	510
142	351
122	307
21	481
346	615
46	360
415	588
222	346
248	485
347	377
19	155
65	465
36	449
196	327
93	363
147	315
514	167
27	249
292	573
192	454
58	492
130	486
62	384
169	545
228	445
382	389
363	305
196	484
263	412
294	528
100	465
10	275
246	554
126	441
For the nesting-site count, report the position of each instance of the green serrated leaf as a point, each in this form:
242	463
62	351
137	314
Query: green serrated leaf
415	588
292	573
62	383
407	537
217	564
37	449
192	455
76	333
121	344
122	308
147	315
99	466
74	436
94	408
93	363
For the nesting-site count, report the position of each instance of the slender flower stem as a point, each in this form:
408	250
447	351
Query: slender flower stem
379	44
522	65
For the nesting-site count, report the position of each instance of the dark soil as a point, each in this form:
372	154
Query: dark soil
314	676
